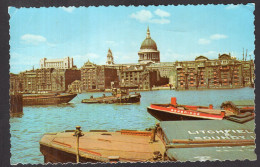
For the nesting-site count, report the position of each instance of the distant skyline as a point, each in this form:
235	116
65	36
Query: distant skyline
181	33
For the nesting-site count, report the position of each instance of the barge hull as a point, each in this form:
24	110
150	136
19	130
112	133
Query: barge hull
111	99
45	100
165	116
53	155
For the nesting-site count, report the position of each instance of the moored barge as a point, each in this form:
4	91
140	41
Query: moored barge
239	106
174	111
47	99
195	141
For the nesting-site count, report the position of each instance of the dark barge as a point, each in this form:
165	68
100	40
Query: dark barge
194	141
118	96
47	99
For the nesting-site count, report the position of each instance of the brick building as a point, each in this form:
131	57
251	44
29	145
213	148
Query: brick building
43	80
61	78
75	87
224	72
98	77
141	77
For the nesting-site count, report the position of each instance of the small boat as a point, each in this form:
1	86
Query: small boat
117	97
47	99
174	111
167	141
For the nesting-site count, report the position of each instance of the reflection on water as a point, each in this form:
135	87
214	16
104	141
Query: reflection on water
27	130
17	115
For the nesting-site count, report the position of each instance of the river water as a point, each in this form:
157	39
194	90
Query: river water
27	130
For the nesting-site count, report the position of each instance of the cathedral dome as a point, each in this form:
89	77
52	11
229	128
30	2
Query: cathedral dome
148	43
148	51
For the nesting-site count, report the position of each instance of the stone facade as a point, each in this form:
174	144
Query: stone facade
163	67
65	63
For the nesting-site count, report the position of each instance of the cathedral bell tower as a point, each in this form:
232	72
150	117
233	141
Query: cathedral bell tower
110	58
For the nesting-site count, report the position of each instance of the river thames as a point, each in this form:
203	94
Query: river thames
27	130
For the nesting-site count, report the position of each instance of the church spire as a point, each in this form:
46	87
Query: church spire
148	33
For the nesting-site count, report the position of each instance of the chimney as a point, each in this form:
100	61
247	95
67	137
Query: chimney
173	101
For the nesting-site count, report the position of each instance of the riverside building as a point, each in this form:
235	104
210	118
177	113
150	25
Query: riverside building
44	80
97	77
203	73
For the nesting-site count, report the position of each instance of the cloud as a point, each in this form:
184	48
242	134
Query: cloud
203	41
33	39
232	6
146	16
68	9
162	13
142	15
218	36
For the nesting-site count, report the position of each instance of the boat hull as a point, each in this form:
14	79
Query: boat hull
111	99
48	100
166	116
53	155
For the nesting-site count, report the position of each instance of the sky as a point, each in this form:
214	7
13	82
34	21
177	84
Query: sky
86	33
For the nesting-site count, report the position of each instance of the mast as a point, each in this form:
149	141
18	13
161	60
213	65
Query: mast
243	54
246	55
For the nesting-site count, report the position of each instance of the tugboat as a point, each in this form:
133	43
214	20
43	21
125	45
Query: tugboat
47	99
167	141
118	96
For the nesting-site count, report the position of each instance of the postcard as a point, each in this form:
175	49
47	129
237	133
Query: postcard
132	84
